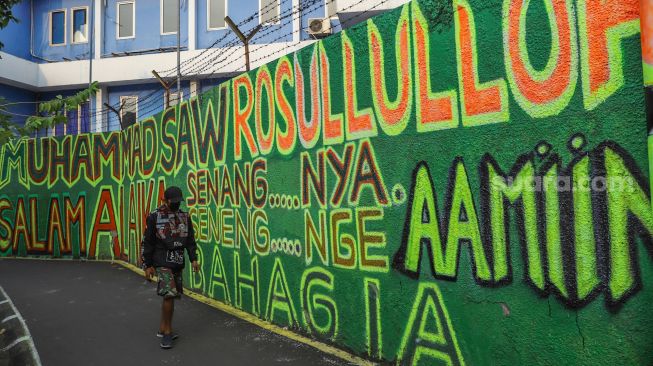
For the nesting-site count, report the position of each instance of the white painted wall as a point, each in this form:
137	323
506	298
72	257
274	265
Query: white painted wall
296	21
194	88
101	97
192	16
359	6
97	28
18	72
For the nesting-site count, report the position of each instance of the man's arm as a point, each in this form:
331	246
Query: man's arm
191	246
149	242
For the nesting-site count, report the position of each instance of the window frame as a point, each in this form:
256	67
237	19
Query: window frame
79	120
122	97
179	100
79	116
328	3
133	4
72	22
208	15
260	7
65	26
161	19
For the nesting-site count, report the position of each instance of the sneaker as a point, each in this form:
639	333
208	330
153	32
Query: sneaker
174	335
166	341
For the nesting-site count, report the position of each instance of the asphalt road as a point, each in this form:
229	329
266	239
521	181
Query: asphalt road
90	313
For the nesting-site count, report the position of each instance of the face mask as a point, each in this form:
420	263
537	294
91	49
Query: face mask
174	206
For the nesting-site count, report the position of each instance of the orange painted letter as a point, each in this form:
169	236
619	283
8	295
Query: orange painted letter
481	103
264	81
435	111
308	130
332	124
360	123
546	92
601	26
241	116
285	140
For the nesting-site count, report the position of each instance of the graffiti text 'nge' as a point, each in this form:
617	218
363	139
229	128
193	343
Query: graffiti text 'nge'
578	225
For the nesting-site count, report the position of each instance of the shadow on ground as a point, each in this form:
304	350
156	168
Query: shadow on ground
91	313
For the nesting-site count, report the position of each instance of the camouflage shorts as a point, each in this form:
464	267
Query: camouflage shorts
170	283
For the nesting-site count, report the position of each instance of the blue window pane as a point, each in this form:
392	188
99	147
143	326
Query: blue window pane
125	20
170	14
79	25
71	126
217	14
58	30
85	118
269	12
59	130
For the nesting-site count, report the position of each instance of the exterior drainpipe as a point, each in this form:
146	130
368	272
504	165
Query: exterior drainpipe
90	28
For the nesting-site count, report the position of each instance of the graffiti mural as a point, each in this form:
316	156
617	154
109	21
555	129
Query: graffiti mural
448	183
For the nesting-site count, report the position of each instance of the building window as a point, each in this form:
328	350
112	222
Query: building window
80	25
217	10
332	8
84	111
79	121
269	12
60	129
128	110
126	20
175	98
169	14
57	27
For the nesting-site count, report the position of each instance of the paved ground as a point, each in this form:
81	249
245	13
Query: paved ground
16	344
89	313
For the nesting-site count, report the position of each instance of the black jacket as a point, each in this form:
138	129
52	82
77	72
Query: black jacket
166	237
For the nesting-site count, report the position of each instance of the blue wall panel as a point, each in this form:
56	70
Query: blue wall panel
207	84
318	10
42	47
245	13
45	96
148	28
16	36
150	100
17	95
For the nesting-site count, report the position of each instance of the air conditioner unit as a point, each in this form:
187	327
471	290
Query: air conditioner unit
319	26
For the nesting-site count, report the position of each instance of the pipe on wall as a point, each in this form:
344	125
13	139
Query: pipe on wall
31	33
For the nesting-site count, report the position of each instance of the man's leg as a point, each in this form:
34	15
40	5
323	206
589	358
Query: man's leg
162	323
172	312
166	315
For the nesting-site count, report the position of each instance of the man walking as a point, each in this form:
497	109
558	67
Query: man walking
169	231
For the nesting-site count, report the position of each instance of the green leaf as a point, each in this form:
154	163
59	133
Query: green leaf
53	111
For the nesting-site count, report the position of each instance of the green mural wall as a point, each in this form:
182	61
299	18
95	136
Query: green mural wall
452	183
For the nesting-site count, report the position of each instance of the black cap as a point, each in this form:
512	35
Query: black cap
173	194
